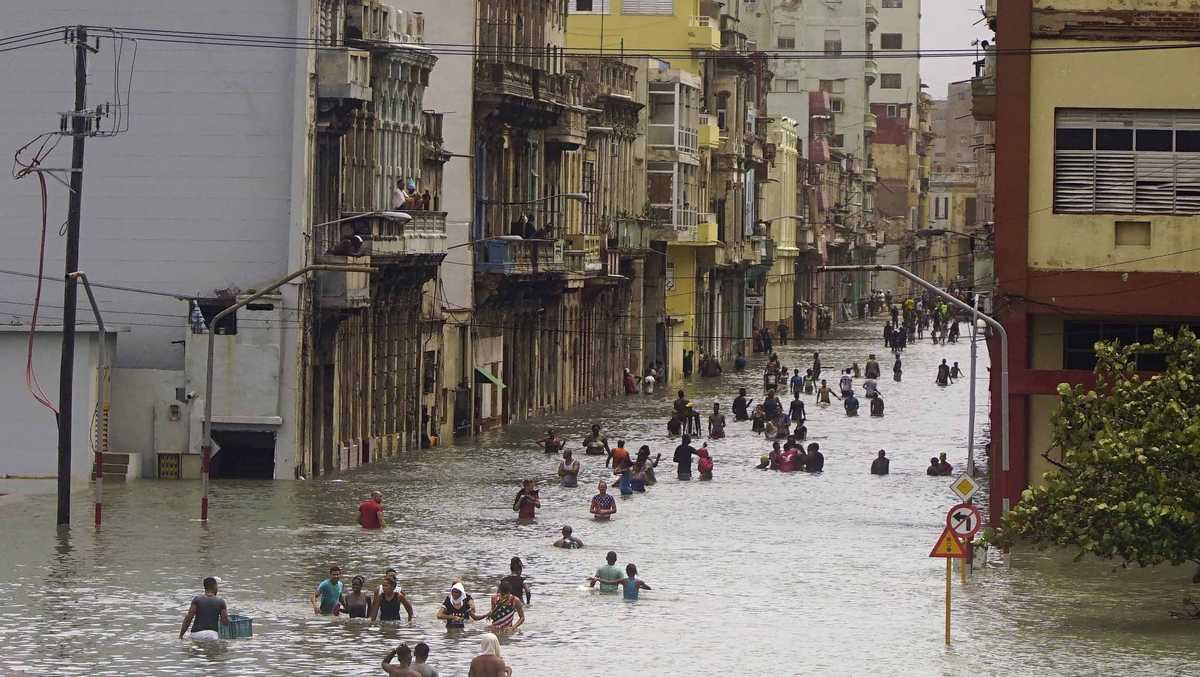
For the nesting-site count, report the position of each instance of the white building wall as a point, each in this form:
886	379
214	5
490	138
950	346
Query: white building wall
30	430
196	196
208	188
905	20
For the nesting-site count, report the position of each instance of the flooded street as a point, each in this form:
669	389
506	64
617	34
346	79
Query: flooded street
756	573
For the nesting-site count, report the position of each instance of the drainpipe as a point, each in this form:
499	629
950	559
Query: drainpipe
103	382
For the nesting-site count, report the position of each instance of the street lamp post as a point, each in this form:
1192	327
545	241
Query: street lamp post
1004	457
206	447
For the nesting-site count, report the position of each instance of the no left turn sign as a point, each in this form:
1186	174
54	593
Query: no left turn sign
964	520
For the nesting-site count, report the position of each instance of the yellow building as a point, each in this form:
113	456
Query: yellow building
952	209
677	28
780	212
1097	209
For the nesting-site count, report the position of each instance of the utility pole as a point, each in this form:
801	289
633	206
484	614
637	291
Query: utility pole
80	128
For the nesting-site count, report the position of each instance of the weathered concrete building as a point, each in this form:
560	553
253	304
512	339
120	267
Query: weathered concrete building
375	339
1097	209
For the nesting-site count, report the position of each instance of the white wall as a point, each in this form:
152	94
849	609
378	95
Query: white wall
136	393
29	430
906	21
196	196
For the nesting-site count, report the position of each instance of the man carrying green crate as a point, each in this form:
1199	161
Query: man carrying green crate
205	612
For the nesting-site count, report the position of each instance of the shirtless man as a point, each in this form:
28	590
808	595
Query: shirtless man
553	444
489	663
716	423
568	541
595	444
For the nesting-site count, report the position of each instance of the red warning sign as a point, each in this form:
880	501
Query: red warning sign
948	546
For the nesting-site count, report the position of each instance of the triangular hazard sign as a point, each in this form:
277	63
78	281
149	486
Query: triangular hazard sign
948	545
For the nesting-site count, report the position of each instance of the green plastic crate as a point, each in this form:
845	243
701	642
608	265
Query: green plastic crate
239	627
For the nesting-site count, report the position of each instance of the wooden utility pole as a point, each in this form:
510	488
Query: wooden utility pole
80	128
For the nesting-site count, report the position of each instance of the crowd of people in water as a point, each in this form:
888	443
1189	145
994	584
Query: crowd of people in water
781	422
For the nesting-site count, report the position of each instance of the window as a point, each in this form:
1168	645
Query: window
647	7
1080	338
786	39
972	206
893	4
833	42
838	140
836	105
722	119
891	41
889	81
785	85
583	5
891	110
941	207
209	309
1126	162
826	85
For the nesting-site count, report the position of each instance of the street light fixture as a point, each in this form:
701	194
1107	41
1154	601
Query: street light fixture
1004	458
206	445
930	232
798	217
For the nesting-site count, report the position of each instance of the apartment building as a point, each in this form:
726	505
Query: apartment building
1097	216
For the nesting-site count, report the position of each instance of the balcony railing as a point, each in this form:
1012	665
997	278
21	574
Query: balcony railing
630	235
872	16
983	89
516	256
682	139
870	71
424	235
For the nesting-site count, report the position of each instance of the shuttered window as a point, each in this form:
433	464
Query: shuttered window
1126	161
648	7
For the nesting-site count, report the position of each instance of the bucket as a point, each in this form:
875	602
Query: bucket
239	627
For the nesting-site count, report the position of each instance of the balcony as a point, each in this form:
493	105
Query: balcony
872	16
571	131
870	71
668	136
710	134
344	74
703	33
506	80
630	236
421	240
806	238
707	231
681	220
983	90
870	124
870	176
517	256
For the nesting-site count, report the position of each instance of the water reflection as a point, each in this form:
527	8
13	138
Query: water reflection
766	573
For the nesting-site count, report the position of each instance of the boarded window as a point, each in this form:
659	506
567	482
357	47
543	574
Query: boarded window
786	85
893	4
1126	161
891	41
889	81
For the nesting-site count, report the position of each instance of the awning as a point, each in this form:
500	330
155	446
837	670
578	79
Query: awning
484	376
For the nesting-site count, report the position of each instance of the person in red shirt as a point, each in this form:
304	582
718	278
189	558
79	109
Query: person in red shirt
527	501
370	513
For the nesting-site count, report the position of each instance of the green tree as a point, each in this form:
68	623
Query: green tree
1128	484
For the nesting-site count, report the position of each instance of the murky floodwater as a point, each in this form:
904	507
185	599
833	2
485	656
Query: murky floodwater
754	573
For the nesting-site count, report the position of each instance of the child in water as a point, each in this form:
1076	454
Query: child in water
705	464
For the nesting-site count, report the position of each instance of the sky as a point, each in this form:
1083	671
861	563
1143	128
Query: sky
948	24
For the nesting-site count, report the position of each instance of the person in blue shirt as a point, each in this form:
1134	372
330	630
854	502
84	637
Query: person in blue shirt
329	592
797	382
630	583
